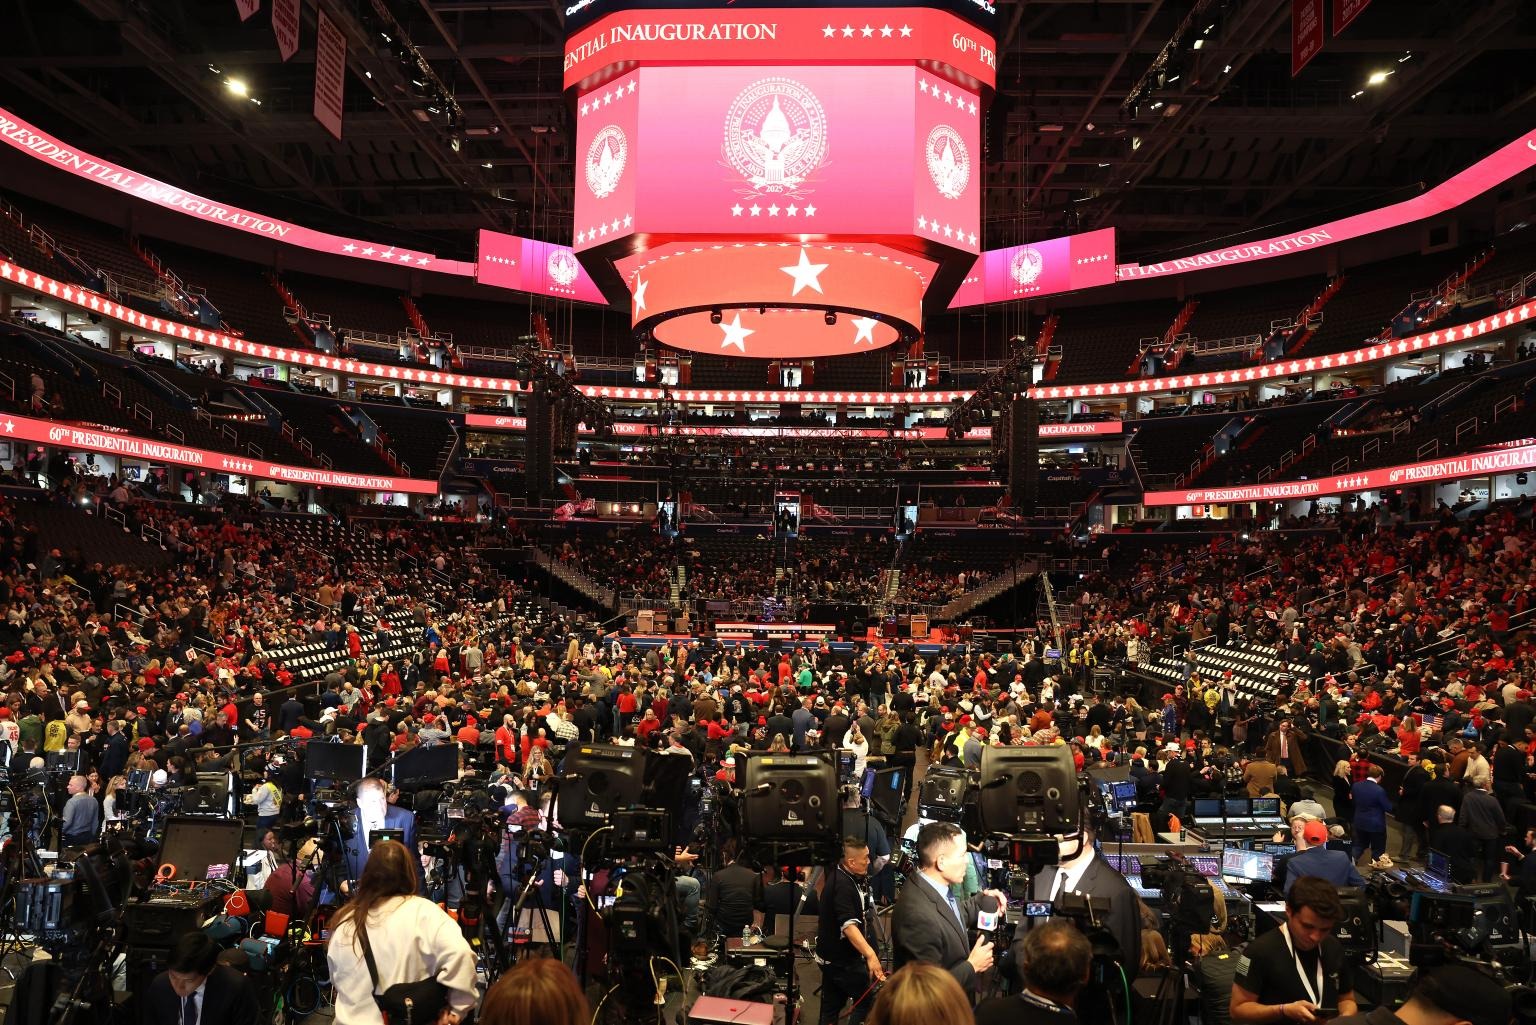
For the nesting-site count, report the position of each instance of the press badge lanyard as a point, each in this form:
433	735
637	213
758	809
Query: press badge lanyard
1312	994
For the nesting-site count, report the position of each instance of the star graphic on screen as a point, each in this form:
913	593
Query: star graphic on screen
754	210
973	108
810	210
906	31
922	223
584	109
349	248
791	210
736	210
773	210
864	330
805	273
922	87
631	88
423	261
581	237
885	31
640	287
847	31
736	335
949	97
629	220
369	251
867	32
973	238
828	31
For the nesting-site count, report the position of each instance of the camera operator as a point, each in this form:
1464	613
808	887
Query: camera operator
1055	959
1297	972
1449	995
849	965
1088	875
929	924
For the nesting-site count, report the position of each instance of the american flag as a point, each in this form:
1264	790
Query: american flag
1435	721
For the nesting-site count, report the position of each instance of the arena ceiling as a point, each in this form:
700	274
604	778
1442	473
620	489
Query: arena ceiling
1080	135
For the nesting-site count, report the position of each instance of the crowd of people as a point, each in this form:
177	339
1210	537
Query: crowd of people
1410	634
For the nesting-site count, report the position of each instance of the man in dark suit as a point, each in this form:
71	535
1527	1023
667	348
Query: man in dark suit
375	813
196	990
1088	876
930	925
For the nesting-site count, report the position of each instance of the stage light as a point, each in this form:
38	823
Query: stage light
1377	77
237	86
1226	69
715	316
1135	143
1198	44
487	164
831	318
455	142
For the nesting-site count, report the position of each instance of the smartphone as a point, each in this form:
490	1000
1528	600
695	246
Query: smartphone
1326	1013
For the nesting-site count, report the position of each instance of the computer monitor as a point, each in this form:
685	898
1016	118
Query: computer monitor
1207	807
867	784
1255	866
1266	807
1119	795
346	762
1438	863
1238	807
1278	849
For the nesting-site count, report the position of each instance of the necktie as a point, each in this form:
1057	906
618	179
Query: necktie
955	907
189	1011
1058	884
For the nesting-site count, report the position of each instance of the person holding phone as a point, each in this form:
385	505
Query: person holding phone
1298	972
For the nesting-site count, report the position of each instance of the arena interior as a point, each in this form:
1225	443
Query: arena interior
706	511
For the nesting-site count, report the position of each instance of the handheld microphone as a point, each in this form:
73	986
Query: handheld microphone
987	913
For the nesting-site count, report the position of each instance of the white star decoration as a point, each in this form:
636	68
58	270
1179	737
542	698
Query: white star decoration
640	288
735	334
805	273
864	330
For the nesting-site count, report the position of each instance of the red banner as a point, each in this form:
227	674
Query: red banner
528	265
1346	11
1477	464
330	74
285	27
247	8
781	35
1306	32
82	439
1040	268
486	421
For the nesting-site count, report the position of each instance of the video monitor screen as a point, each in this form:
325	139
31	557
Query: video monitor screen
1252	865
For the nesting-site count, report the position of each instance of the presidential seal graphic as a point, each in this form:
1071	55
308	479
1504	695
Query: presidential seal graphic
949	162
562	267
607	154
1026	265
775	134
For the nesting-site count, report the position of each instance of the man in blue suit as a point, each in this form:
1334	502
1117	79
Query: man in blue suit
375	813
1372	806
1315	859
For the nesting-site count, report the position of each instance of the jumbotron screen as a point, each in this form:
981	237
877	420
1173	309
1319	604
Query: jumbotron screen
722	151
581	13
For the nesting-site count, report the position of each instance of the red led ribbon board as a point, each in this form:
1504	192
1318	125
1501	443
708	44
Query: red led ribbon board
1476	464
529	265
814	35
772	298
753	152
83	439
1040	268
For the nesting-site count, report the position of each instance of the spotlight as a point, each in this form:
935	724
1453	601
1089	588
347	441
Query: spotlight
1377	77
237	86
831	318
455	141
715	316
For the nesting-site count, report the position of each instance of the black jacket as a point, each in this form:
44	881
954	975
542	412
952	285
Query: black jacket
228	999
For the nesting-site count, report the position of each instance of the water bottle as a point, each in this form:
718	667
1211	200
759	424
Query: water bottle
746	935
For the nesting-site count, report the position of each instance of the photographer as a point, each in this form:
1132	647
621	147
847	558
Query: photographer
1298	972
849	965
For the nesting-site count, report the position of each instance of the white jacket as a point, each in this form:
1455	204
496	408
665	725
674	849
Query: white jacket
412	939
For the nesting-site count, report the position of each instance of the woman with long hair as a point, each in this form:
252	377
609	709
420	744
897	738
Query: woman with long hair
411	939
541	990
921	994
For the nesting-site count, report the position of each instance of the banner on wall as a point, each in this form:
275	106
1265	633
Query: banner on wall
1346	11
1476	464
76	438
285	27
247	8
330	74
1306	33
